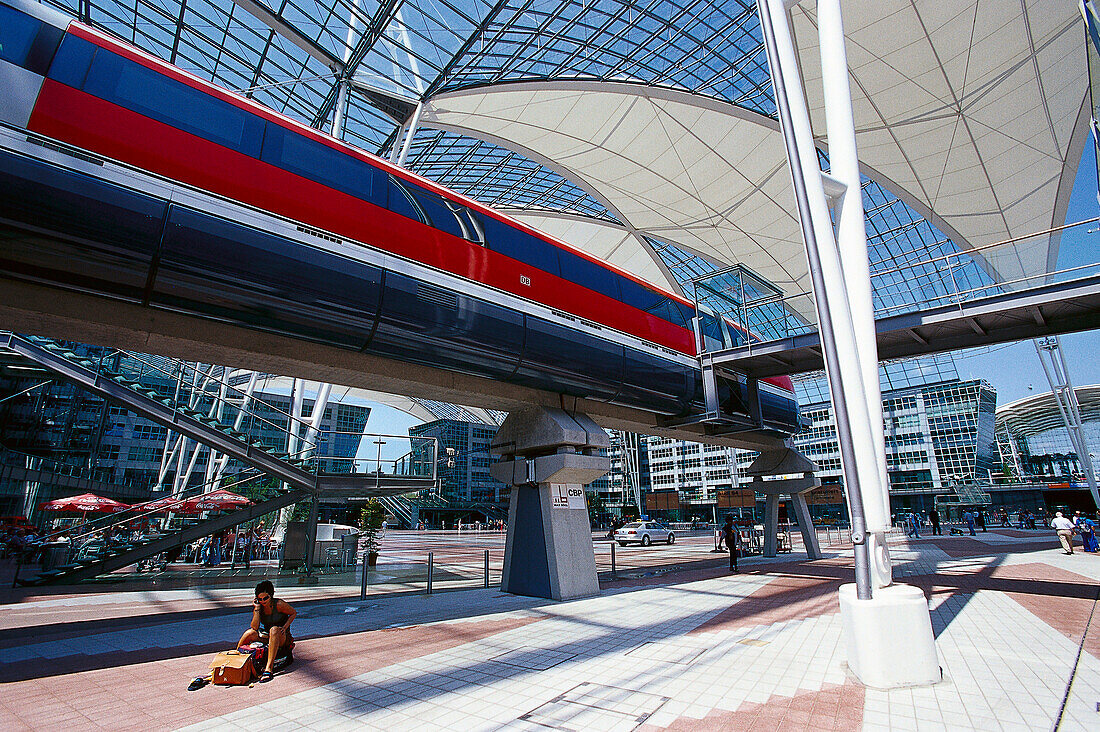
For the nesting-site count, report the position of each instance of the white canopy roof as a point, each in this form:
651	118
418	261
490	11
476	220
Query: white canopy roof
977	120
1036	414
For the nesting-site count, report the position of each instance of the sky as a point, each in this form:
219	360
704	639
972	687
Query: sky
1014	369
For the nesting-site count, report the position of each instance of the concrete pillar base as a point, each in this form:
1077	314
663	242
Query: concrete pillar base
549	549
799	481
889	637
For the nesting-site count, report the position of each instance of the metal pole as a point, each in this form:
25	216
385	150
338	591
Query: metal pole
837	385
486	568
378	465
311	534
851	237
363	586
431	567
613	574
1075	410
411	133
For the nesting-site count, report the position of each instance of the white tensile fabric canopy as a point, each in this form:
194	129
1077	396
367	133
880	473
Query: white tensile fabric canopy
975	116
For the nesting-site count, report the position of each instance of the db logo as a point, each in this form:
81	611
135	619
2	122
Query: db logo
525	280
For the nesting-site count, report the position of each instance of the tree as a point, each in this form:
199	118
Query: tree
371	519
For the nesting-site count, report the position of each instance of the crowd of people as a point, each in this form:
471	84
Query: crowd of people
1080	525
972	520
19	543
239	546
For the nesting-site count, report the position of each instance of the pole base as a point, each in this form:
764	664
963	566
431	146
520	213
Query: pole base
889	637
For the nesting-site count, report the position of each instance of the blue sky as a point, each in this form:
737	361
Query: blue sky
1014	370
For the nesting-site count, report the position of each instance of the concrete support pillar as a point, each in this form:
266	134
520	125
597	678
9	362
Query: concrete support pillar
547	456
771	524
793	476
806	526
311	534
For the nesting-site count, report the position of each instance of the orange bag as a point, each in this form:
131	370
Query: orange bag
231	668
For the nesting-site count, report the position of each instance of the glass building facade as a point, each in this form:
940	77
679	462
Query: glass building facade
66	434
1033	441
468	479
938	435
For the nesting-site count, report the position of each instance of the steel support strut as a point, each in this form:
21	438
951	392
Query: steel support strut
887	628
821	253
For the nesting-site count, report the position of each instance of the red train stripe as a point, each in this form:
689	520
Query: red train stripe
91	123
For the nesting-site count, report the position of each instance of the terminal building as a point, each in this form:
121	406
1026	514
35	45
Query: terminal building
1035	446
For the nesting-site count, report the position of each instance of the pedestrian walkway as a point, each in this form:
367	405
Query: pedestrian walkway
689	649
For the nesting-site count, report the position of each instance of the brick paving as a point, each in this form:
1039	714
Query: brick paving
676	642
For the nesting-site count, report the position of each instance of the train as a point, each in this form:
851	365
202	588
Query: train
126	177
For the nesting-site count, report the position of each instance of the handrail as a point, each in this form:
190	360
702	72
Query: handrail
994	245
113	519
785	323
215	399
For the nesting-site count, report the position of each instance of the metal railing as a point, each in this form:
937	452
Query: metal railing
212	395
419	462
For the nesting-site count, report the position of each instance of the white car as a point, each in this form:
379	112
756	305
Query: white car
645	533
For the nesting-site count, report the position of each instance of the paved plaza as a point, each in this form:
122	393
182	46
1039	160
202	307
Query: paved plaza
676	643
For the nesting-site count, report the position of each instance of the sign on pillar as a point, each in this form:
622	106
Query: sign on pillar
567	496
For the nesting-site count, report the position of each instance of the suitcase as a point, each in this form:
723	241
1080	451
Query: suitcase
230	668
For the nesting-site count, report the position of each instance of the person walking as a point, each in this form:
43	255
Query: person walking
732	539
979	516
969	518
913	524
1064	528
934	517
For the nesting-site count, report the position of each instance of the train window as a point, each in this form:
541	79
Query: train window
70	64
401	201
666	311
17	32
440	214
319	162
521	246
638	296
43	49
26	41
166	100
471	227
682	314
581	271
734	334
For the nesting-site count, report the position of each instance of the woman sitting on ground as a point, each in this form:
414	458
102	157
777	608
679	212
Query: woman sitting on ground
271	619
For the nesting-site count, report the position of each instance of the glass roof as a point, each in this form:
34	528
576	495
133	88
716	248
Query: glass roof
907	264
293	55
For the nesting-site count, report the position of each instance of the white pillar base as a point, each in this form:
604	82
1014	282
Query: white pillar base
889	637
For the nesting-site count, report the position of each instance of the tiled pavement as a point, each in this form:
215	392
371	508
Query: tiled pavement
686	650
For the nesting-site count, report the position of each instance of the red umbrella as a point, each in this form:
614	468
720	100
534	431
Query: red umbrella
218	500
87	503
164	505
